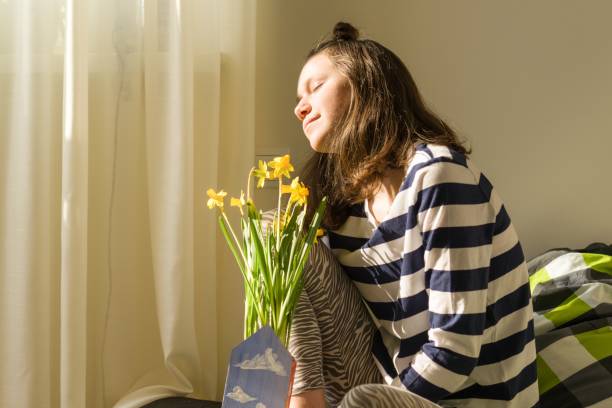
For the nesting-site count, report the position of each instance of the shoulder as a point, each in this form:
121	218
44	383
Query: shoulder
444	176
434	164
450	190
434	153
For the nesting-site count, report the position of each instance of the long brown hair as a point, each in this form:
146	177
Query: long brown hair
385	120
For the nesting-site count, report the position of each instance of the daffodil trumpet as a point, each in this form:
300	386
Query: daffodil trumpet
271	256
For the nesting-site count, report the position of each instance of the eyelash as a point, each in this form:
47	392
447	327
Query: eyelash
316	87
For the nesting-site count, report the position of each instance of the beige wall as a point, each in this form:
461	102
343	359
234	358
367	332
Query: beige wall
529	84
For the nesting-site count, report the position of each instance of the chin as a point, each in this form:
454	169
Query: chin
314	145
317	143
317	146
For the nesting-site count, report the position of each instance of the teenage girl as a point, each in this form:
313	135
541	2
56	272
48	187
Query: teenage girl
420	233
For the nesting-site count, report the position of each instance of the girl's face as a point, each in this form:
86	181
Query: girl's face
323	95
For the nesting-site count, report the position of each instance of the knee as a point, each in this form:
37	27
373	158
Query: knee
360	396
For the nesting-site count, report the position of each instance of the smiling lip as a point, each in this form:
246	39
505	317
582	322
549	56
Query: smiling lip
309	121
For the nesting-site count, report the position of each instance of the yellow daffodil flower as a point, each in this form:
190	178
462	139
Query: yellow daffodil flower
286	189
238	202
298	191
270	255
261	173
215	199
320	233
282	166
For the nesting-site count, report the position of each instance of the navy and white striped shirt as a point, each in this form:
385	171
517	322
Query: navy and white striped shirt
445	280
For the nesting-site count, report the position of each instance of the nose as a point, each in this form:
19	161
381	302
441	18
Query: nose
302	109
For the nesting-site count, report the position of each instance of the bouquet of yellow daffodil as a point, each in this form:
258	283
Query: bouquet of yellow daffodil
271	257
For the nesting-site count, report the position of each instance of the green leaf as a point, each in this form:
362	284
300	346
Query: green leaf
231	244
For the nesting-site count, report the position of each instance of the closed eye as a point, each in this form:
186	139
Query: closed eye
317	86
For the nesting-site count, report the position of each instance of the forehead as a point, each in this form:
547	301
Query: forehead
316	66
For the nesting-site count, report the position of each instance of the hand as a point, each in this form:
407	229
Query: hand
308	399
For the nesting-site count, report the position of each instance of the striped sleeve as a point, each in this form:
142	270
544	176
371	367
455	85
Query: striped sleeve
457	223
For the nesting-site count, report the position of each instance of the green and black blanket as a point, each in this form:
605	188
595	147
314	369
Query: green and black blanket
572	300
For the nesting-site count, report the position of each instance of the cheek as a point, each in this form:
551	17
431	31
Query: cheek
333	103
339	109
342	100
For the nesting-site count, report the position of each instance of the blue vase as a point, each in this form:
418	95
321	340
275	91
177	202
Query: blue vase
260	373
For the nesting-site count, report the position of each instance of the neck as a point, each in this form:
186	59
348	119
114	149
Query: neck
390	184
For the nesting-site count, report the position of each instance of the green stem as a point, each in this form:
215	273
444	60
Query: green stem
242	265
278	213
234	236
249	183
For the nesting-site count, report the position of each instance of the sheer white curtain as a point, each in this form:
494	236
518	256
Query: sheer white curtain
115	116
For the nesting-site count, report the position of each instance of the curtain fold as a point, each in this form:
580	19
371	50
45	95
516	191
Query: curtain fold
74	204
115	117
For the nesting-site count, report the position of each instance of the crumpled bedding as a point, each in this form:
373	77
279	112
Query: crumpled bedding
572	300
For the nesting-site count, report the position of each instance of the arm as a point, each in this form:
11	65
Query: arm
457	224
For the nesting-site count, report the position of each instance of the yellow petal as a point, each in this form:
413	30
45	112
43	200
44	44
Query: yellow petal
261	182
212	203
320	233
216	198
238	202
263	166
295	183
282	166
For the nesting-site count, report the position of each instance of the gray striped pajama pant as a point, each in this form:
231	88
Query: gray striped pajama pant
331	338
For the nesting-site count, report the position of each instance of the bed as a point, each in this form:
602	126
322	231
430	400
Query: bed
572	300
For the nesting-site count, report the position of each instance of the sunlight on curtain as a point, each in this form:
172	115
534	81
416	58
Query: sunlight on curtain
115	116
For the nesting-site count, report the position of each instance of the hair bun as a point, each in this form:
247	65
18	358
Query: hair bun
345	31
